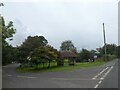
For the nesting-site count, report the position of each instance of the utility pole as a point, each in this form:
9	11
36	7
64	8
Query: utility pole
104	42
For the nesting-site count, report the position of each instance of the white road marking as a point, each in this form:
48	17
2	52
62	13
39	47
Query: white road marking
100	82
100	73
107	72
103	77
4	66
26	77
9	75
20	76
96	86
72	79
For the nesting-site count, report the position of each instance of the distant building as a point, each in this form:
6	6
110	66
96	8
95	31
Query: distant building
71	56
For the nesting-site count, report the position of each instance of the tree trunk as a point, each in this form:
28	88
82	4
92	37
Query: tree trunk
49	65
93	60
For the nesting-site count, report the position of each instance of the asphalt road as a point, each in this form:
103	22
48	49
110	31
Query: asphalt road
104	76
111	81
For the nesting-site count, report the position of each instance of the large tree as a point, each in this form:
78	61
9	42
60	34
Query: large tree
110	49
53	54
67	46
84	55
42	55
6	31
30	44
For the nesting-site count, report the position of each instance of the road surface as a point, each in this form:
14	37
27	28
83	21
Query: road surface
104	76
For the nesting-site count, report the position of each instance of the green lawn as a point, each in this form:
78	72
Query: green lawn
54	67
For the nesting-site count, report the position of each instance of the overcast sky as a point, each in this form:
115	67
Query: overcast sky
78	21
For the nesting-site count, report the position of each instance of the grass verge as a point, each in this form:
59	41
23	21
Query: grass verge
54	67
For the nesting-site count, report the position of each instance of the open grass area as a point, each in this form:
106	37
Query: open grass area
54	67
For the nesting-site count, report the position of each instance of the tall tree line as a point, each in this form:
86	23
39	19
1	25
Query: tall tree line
36	50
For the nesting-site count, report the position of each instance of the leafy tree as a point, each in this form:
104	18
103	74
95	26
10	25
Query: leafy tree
52	49
110	49
38	56
84	55
30	44
53	54
78	59
6	55
15	53
41	55
7	32
67	46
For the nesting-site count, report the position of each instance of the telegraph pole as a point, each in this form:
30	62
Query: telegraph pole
104	42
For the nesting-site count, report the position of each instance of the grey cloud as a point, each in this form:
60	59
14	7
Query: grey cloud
21	33
79	22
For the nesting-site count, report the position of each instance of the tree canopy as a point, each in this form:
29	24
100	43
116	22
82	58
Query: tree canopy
30	44
110	49
42	55
7	30
7	33
67	46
